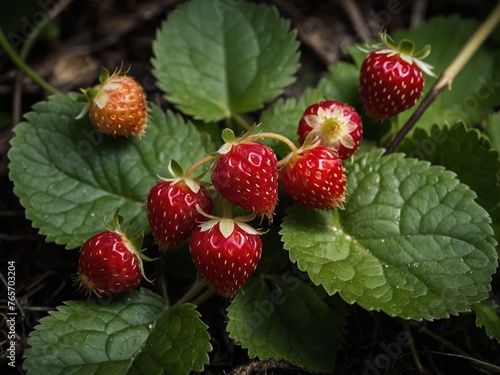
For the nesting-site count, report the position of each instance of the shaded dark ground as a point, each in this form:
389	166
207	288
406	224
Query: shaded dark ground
86	35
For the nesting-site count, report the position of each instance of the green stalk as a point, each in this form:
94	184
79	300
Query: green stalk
448	75
198	285
241	121
18	61
414	352
446	343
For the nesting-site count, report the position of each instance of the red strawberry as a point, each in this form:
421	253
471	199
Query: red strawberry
172	212
391	78
315	177
118	105
226	252
110	262
336	125
246	174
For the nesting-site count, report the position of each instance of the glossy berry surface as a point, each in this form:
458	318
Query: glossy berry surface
172	212
315	178
226	262
247	175
336	125
389	84
109	264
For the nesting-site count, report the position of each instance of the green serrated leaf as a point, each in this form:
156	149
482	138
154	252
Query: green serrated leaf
475	90
93	337
487	316
342	84
218	58
411	241
283	118
178	344
492	127
287	320
69	176
463	151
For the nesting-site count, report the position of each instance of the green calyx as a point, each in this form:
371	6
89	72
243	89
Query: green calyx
135	240
405	46
88	95
406	50
104	75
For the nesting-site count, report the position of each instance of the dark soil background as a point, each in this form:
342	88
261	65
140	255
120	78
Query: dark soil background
85	35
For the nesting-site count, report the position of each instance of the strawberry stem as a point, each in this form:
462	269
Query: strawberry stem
241	121
448	75
198	164
279	137
227	209
18	61
203	297
468	50
198	285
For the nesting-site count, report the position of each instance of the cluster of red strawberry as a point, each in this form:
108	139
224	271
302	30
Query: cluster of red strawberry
244	173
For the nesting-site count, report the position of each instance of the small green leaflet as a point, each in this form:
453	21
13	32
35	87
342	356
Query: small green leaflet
132	332
463	151
411	241
488	316
492	127
69	176
286	320
216	59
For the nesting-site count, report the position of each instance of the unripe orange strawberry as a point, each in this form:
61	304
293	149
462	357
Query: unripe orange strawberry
118	105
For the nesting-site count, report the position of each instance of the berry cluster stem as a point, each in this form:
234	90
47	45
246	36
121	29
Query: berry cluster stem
279	137
448	75
194	290
198	164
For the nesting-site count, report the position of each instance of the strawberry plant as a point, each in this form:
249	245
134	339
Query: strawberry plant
267	221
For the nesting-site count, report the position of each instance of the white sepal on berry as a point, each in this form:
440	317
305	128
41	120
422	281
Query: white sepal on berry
405	49
226	225
175	170
133	243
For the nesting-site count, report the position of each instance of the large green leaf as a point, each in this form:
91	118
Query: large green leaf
475	90
92	337
215	60
69	176
133	332
463	151
411	241
282	317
